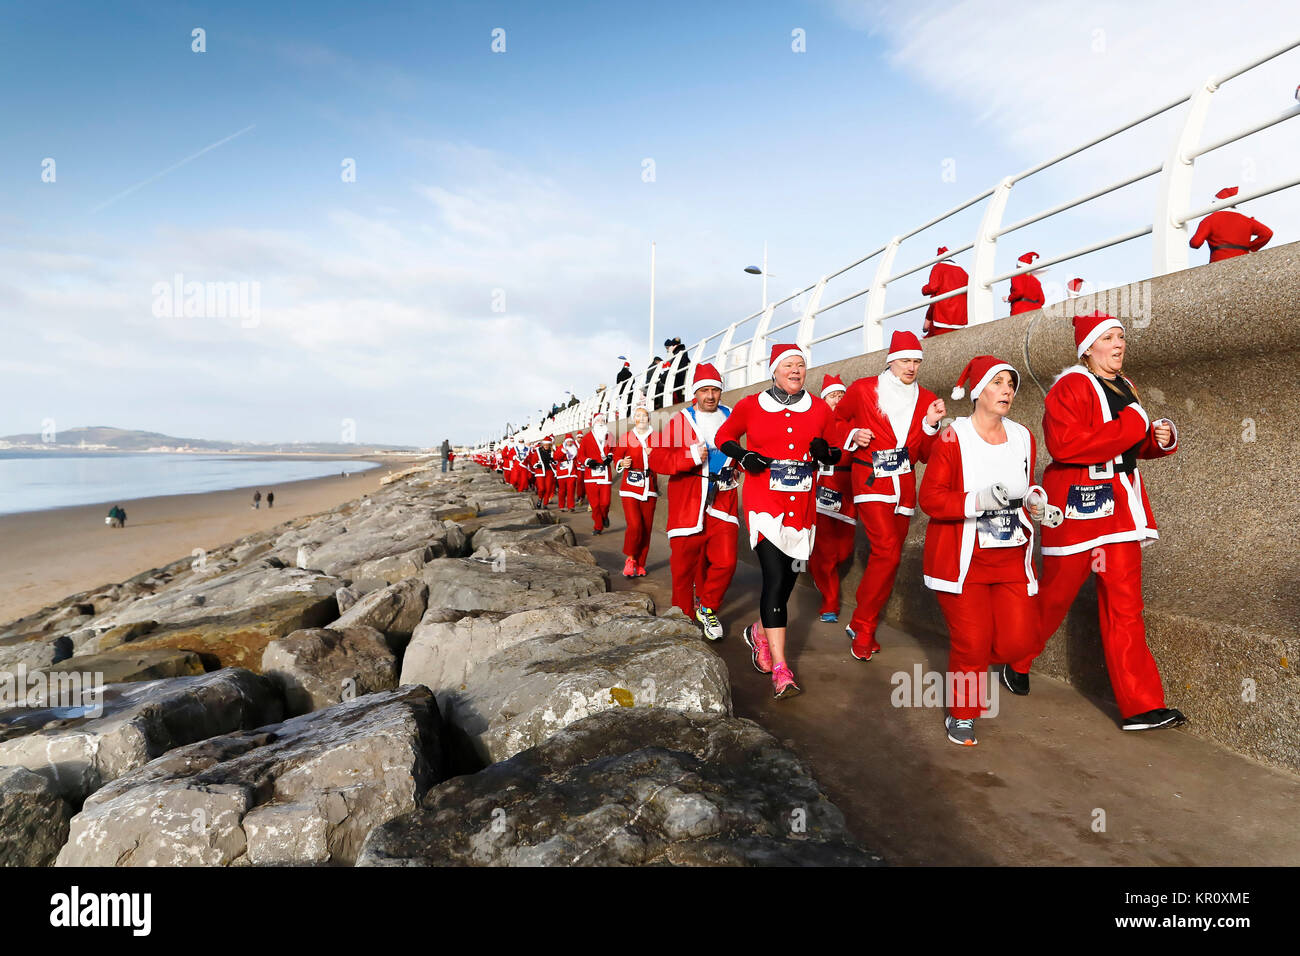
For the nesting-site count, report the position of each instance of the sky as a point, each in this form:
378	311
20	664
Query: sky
435	218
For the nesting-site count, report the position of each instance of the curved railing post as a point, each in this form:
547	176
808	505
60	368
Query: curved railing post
979	292
1174	194
873	332
756	367
722	359
808	320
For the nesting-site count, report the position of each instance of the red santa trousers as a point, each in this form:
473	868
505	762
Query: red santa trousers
568	491
703	564
834	546
886	532
987	624
522	479
1133	672
640	517
545	488
598	495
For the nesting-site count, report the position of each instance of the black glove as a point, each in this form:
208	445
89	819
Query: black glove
754	463
822	452
592	463
608	460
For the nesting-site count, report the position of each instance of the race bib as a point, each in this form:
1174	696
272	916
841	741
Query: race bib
790	476
828	499
890	462
636	477
1090	501
1001	529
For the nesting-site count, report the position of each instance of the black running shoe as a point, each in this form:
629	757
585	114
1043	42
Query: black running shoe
1155	719
1015	681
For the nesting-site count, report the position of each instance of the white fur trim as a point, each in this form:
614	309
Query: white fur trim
768	404
904	354
786	353
988	377
1096	333
705	383
958	393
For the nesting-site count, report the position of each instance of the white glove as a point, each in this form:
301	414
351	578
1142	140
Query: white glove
1043	511
992	498
1052	516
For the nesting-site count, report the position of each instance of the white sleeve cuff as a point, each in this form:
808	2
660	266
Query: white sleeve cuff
971	510
928	428
695	458
1174	437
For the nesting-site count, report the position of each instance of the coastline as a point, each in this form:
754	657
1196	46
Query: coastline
56	552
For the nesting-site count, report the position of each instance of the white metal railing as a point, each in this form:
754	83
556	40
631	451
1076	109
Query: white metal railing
744	361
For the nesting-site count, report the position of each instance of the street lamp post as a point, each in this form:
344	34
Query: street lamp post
756	271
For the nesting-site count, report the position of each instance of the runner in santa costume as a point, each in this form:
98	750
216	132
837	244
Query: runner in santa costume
888	422
979	542
523	473
1096	430
1229	233
566	473
596	451
703	503
508	463
541	462
836	525
949	313
1026	291
789	433
637	491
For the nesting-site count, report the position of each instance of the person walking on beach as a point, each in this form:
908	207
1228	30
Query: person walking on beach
257	500
446	453
270	499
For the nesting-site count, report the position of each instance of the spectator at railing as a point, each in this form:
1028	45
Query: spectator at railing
624	373
950	313
1230	233
1026	291
1074	288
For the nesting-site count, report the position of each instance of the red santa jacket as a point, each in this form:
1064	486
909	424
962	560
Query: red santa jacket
950	313
688	477
781	502
958	535
1026	293
536	465
590	448
1101	505
638	480
1230	234
860	408
566	466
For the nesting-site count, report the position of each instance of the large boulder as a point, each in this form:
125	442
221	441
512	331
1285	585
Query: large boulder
336	544
395	610
526	693
305	791
319	667
131	663
80	747
442	654
33	818
228	618
512	584
629	787
555	540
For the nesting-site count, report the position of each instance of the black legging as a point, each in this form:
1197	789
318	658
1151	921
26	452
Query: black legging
779	574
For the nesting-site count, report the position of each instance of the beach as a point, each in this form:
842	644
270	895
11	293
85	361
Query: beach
48	555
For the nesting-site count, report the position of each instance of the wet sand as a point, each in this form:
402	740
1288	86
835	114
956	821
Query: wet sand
47	555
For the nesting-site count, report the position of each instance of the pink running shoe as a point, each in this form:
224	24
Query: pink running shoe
640	571
783	684
762	652
629	569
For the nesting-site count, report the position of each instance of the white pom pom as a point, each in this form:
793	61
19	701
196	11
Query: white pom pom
958	393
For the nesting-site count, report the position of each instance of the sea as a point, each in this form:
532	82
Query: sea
36	481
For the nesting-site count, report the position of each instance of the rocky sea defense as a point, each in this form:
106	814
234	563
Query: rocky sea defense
434	674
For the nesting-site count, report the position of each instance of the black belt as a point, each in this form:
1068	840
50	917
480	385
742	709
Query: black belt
1229	245
859	461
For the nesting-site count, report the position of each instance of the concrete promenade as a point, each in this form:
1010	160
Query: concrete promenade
1029	794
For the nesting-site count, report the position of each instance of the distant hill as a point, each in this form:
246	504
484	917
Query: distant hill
122	439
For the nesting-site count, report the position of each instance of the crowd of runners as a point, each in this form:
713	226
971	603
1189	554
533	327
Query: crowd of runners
808	469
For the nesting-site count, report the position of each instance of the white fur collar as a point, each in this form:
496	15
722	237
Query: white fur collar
768	404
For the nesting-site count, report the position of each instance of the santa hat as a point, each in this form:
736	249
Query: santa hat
832	383
627	364
1028	258
1075	286
706	376
598	413
979	371
569	439
548	440
780	352
903	345
1088	328
941	250
1227	192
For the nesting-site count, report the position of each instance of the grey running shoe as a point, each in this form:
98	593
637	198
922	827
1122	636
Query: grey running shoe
960	731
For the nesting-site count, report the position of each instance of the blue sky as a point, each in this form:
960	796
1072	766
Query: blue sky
493	250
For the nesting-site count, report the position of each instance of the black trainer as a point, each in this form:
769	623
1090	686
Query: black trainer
1155	719
1015	681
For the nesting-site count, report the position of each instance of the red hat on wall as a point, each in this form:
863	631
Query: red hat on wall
903	345
1227	192
1087	328
832	383
979	371
780	352
1028	258
941	250
706	376
1075	286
